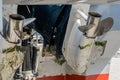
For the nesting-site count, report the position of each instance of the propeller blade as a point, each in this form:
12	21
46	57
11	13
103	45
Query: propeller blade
28	21
85	27
105	26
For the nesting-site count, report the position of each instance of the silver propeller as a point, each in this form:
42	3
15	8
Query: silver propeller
104	26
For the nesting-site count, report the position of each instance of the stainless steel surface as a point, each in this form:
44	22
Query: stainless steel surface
93	19
15	28
32	56
95	26
37	43
31	44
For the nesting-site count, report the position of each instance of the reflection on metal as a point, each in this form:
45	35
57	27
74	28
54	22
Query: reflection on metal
37	43
13	30
96	27
93	19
